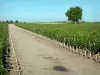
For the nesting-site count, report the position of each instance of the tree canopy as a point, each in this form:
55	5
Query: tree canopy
11	21
16	21
74	14
7	21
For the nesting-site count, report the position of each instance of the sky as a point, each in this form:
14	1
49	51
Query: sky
47	10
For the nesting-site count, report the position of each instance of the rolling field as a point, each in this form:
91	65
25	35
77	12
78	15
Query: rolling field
85	35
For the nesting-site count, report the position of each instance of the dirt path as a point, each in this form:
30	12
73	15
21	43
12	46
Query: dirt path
38	56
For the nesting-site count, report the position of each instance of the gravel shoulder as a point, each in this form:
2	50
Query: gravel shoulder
40	56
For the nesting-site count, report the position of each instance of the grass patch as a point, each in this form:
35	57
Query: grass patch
3	44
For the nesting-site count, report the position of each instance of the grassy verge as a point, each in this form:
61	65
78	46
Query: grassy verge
3	44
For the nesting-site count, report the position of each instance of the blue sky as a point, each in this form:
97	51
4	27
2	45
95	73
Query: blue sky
47	10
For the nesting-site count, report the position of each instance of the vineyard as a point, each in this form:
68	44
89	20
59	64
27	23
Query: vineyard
84	36
3	44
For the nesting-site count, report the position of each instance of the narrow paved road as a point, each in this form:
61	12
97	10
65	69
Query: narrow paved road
38	56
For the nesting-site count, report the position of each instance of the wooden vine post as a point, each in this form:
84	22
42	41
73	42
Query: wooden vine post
64	41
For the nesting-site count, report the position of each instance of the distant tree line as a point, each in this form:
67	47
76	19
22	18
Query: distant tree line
11	21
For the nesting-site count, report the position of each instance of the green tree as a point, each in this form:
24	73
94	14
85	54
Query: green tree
74	14
7	21
11	21
16	21
3	21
